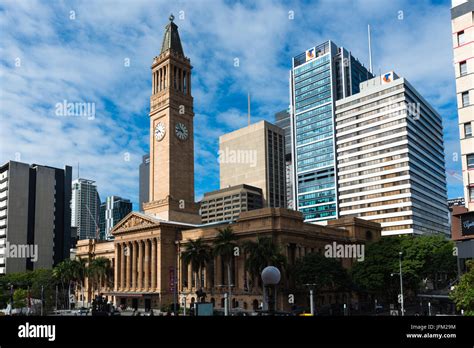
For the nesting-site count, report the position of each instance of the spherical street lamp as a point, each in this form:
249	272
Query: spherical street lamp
271	277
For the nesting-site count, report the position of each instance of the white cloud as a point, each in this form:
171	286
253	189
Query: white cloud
83	60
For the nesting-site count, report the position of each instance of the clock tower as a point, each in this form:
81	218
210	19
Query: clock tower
172	134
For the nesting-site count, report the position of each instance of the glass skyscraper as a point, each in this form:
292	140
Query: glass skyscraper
319	76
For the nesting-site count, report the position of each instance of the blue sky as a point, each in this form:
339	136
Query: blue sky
79	51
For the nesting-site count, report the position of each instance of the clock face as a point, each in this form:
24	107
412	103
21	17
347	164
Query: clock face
181	131
160	131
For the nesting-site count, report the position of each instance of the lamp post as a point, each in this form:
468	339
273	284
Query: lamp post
311	300
401	282
271	277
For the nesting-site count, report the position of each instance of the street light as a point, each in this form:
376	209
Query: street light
401	282
271	277
311	301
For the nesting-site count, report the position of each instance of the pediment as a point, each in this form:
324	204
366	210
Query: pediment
134	221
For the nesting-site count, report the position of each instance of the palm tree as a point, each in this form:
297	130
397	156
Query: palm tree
198	254
64	272
99	269
262	253
81	274
224	246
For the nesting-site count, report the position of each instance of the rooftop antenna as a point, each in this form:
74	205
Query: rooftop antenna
248	107
370	49
77	170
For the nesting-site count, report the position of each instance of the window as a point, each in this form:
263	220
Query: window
463	68
471	194
467	130
470	161
461	38
465	99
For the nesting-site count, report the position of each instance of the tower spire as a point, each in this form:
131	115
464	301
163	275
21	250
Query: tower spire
171	40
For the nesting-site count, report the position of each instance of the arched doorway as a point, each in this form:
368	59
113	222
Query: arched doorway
255	305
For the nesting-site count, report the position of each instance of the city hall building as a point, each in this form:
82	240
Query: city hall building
146	252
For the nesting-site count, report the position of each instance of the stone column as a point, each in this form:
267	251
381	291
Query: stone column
190	276
122	266
240	263
134	266
158	266
140	265
117	267
218	269
128	267
147	264
153	264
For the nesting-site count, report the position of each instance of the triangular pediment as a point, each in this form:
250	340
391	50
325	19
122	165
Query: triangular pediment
134	221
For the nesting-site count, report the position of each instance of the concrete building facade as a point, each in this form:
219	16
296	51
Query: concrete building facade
34	216
283	120
255	155
462	21
390	158
227	204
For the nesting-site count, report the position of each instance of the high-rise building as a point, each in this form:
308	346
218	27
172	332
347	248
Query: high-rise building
390	158
462	21
85	206
144	182
34	216
255	155
227	204
319	76
283	120
112	211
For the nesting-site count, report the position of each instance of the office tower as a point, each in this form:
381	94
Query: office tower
144	182
112	211
282	120
390	158
227	204
85	205
34	213
319	76
462	21
255	155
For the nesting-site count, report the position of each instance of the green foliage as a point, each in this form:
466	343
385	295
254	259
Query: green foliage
423	258
225	243
19	298
30	279
463	293
198	254
326	273
262	253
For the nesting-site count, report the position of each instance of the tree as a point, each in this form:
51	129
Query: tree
424	258
65	273
198	254
224	246
262	253
325	273
19	298
463	293
99	270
